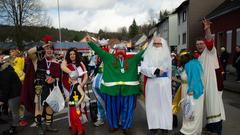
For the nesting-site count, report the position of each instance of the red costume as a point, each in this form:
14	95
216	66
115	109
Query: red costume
74	109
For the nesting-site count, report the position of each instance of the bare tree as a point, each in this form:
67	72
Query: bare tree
19	13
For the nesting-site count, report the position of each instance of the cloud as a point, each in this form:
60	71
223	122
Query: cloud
78	4
93	15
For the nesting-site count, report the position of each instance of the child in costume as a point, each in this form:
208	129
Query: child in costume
75	98
119	86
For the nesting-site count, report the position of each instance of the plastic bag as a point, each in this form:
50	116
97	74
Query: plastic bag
55	100
187	107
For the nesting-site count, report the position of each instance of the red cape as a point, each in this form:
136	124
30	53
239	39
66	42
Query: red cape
27	92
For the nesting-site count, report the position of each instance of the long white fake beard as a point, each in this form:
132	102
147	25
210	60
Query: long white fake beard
155	56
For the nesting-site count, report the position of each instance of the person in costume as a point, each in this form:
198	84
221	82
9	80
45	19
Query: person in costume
175	85
71	62
76	96
192	85
157	66
96	85
18	63
213	80
10	86
119	86
47	73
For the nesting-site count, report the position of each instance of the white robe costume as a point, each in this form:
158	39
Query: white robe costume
193	127
213	101
158	98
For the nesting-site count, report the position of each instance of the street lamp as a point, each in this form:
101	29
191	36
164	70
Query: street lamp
59	25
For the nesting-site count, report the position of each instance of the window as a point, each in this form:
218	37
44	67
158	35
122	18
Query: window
229	41
184	38
178	39
238	36
179	18
220	40
184	16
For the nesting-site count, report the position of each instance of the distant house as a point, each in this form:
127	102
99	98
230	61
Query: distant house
190	13
64	46
112	42
226	25
137	42
167	28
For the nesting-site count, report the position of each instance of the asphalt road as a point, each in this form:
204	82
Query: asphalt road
230	127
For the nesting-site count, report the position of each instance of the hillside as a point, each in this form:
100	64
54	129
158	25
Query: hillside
31	33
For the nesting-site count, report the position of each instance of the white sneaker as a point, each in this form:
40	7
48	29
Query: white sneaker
98	123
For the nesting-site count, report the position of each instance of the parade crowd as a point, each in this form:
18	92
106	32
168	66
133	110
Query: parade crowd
188	85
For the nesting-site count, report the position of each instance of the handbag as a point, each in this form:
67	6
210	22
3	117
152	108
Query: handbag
55	99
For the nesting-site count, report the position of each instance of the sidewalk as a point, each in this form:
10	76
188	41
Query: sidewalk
230	84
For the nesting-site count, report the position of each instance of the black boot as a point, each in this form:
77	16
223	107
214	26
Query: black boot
175	121
40	130
39	125
152	132
49	126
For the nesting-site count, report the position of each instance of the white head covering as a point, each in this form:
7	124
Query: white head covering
158	57
103	42
120	46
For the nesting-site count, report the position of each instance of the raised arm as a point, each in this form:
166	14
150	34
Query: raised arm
64	67
32	54
208	35
101	53
37	52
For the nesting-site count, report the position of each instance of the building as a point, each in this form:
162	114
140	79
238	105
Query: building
226	26
190	13
61	48
167	28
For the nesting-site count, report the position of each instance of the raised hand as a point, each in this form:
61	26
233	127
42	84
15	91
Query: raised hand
88	38
46	45
206	24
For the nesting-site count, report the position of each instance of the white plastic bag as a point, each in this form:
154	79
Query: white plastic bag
187	107
55	99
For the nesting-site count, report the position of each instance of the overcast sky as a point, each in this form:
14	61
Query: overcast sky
92	15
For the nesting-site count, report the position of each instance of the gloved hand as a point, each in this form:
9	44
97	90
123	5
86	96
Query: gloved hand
157	72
